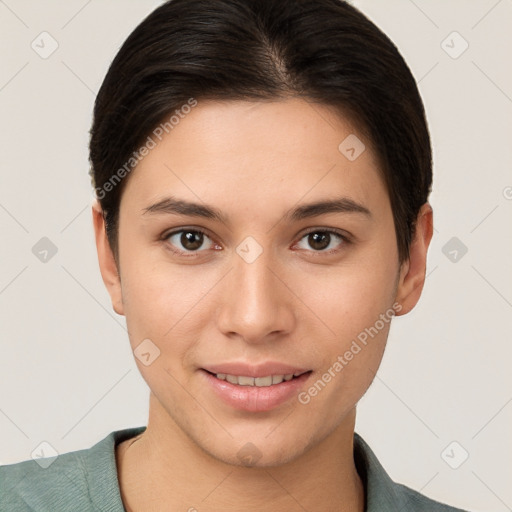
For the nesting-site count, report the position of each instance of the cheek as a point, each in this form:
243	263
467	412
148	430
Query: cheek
164	302
360	312
159	306
356	304
351	297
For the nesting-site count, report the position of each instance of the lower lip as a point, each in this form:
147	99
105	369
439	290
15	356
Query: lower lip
254	398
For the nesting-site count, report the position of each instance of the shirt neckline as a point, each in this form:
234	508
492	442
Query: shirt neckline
379	489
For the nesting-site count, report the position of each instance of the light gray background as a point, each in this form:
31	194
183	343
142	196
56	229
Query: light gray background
67	373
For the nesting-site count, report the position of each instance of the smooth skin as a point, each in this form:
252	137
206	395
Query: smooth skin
295	304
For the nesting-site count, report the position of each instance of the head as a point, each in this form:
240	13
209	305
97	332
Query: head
254	111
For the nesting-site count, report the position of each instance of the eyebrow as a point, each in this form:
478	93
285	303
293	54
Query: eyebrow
171	205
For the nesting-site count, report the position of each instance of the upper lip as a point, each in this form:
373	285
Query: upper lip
251	370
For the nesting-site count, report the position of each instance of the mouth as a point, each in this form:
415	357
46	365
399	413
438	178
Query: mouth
255	394
261	382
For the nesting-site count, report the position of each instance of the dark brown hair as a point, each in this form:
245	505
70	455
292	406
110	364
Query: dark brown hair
325	51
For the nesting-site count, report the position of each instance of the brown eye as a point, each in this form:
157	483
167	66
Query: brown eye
187	240
319	241
324	240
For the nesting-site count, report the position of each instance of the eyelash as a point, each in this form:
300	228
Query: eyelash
344	237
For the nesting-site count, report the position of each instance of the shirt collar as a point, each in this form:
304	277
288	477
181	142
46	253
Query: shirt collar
381	493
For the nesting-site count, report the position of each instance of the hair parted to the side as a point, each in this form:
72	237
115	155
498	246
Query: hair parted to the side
325	51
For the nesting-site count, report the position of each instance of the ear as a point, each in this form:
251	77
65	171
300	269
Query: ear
106	260
412	272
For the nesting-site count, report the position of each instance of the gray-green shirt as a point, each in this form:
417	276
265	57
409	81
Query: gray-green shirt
86	480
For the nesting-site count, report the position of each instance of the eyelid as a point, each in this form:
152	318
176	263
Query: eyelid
167	234
346	237
340	232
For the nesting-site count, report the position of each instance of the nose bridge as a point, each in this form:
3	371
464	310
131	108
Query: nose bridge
256	304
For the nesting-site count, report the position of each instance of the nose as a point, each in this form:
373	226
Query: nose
256	304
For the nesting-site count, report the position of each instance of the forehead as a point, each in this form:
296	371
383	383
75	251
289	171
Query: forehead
257	154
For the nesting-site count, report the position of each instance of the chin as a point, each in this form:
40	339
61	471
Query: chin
261	449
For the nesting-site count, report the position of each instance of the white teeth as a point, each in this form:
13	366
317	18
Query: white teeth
263	381
256	381
232	379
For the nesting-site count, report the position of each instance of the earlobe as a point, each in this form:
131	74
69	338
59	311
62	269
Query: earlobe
106	260
412	272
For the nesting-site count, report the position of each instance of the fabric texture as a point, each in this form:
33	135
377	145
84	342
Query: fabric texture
86	480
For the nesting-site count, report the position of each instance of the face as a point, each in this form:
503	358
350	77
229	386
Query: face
255	282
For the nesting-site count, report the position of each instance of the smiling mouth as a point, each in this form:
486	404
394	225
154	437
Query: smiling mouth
269	380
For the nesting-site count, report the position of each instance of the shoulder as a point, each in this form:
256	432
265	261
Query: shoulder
385	495
80	480
28	485
418	502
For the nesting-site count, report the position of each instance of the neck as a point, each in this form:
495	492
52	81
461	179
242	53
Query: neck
163	469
